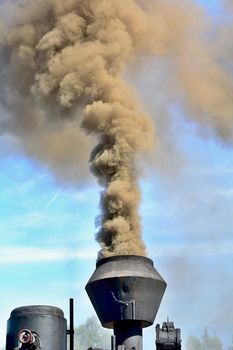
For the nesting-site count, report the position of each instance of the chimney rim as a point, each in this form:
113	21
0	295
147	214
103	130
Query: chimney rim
126	257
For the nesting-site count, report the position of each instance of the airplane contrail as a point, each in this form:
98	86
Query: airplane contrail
48	205
51	201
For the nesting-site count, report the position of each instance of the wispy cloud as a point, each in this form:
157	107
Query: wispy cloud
41	214
228	193
24	221
193	250
13	255
20	254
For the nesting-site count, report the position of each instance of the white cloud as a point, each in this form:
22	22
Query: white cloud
20	254
13	255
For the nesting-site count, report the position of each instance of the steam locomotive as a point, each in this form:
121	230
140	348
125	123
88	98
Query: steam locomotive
125	291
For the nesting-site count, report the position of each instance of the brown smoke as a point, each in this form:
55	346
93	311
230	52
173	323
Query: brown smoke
63	66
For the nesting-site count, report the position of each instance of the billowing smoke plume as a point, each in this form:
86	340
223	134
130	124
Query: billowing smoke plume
69	57
63	65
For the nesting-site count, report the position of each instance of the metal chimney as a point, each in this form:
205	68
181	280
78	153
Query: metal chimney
126	292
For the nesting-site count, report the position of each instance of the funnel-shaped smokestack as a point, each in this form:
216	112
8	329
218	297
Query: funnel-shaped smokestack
126	292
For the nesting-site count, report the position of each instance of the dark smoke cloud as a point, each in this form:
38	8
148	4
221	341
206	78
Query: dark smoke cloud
63	67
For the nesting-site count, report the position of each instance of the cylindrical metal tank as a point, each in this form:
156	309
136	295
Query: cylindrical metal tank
45	324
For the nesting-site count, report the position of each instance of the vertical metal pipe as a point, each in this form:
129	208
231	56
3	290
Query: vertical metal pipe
71	332
128	335
113	342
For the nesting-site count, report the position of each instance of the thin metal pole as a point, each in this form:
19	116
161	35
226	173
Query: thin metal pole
113	342
71	332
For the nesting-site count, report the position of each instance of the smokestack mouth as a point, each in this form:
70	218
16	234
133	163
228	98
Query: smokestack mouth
135	258
125	288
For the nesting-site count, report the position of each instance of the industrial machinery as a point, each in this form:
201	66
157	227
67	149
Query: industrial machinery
168	337
39	326
125	291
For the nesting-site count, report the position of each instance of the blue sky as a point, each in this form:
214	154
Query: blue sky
48	250
47	245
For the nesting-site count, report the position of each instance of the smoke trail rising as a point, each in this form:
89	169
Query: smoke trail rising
63	67
74	54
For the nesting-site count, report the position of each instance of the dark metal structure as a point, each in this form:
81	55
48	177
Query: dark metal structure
126	292
70	331
168	337
39	326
